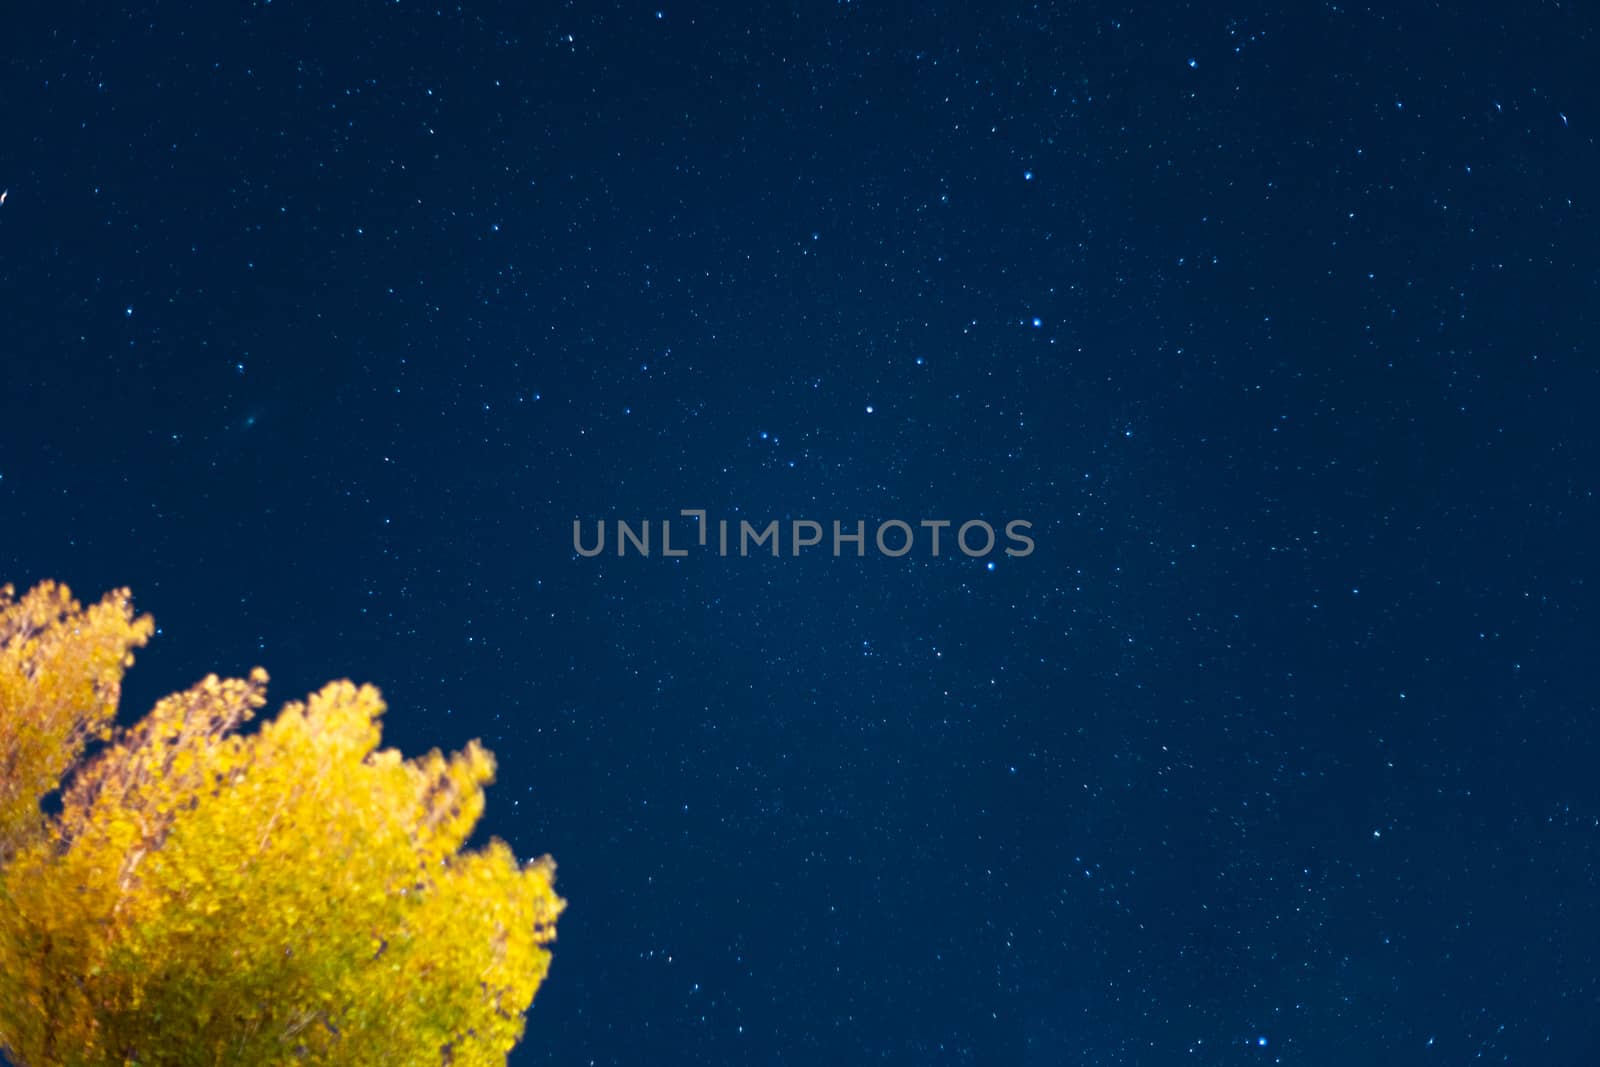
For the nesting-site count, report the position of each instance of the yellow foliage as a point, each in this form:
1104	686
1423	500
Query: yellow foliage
60	679
294	895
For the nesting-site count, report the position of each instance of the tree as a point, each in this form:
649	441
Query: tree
206	896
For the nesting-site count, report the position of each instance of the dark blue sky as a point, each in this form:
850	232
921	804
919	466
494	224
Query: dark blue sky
322	322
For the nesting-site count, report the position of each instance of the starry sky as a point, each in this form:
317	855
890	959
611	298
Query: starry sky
323	322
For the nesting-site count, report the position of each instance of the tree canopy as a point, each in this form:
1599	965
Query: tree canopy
211	896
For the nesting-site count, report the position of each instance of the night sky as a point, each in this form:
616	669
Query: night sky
323	322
